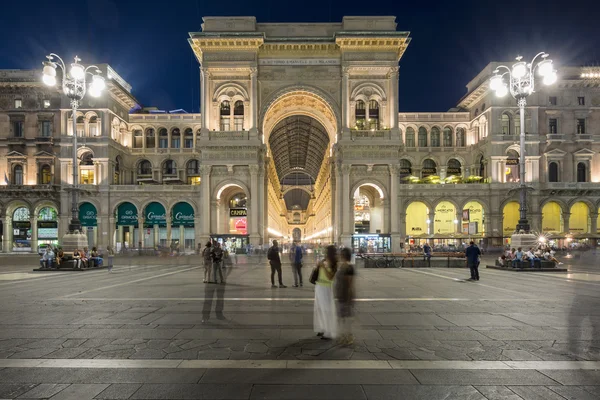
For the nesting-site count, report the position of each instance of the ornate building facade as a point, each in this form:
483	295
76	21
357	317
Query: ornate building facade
298	137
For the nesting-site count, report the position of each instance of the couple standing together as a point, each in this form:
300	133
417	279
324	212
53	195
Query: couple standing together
275	262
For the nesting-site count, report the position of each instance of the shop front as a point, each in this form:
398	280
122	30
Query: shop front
371	243
88	216
182	226
233	243
21	227
47	226
155	226
127	224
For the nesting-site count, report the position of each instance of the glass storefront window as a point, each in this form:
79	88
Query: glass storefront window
86	177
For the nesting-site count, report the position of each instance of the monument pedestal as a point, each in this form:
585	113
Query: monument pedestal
523	240
75	240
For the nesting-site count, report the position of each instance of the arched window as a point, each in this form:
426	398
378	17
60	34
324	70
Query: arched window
505	124
144	168
192	172
225	113
581	172
410	137
435	137
169	168
553	171
422	137
86	169
80	126
360	113
188	138
93	126
45	174
512	166
17	178
429	168
405	170
454	167
138	139
447	137
373	115
517	130
163	138
175	138
460	137
238	115
150	138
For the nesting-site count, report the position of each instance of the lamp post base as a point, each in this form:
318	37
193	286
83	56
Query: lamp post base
74	240
523	240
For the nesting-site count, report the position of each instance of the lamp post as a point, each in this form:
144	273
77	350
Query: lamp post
521	83
74	86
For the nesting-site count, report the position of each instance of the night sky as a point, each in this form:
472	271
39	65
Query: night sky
146	42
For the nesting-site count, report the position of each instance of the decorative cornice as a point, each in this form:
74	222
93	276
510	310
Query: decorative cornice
394	43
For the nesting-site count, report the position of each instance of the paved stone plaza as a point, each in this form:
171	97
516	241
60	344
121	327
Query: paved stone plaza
143	332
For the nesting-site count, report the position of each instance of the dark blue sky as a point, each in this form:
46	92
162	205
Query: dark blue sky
146	42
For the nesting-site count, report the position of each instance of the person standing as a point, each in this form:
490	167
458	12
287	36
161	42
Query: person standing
344	288
473	253
207	258
275	262
324	318
110	254
426	252
217	259
296	258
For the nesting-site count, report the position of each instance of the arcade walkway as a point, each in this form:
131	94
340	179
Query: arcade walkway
138	333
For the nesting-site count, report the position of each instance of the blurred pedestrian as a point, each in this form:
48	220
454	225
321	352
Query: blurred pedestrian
207	258
296	258
325	319
275	261
217	260
473	253
110	254
344	288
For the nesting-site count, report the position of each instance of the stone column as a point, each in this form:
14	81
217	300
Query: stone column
34	234
255	207
593	222
262	207
169	233
253	101
204	99
337	203
110	229
345	100
6	234
394	211
205	202
458	227
119	238
346	228
431	224
393	97
155	233
199	237
566	217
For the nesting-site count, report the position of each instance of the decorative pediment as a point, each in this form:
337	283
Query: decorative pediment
44	154
555	154
584	154
16	154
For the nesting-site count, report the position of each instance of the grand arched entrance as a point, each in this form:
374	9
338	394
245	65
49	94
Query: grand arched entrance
299	199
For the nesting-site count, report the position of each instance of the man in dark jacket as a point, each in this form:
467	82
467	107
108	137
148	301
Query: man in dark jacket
275	261
472	252
296	259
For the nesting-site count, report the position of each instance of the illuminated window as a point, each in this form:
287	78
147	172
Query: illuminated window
238	201
18	103
86	176
150	138
46	103
373	114
193	180
138	139
45	174
238	116
429	168
360	114
225	112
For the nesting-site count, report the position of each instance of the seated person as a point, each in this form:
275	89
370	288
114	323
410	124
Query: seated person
47	258
501	261
59	255
96	257
531	257
549	255
77	258
518	257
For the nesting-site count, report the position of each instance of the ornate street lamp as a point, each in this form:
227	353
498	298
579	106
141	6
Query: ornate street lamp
521	83
74	86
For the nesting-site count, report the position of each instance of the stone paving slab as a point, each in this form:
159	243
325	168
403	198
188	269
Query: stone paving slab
412	392
193	391
80	392
483	377
44	391
100	375
302	392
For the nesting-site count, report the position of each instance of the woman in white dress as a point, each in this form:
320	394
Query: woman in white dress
325	319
